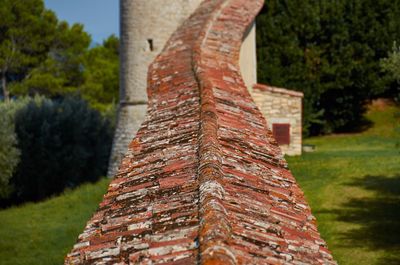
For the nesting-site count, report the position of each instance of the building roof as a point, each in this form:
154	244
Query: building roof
278	90
203	182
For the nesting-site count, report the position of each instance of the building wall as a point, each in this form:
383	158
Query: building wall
282	106
278	105
248	57
145	28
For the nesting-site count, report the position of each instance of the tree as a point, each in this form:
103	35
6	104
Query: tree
391	65
41	55
101	74
330	50
72	68
9	153
26	34
61	72
63	143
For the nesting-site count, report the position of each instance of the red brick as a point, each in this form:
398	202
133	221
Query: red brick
204	181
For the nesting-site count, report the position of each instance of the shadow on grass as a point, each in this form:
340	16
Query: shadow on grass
379	217
358	126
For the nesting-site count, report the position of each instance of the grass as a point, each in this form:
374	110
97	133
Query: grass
352	183
42	233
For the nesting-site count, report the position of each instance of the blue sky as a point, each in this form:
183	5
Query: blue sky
100	17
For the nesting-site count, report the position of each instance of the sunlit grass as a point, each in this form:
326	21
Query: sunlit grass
42	233
352	183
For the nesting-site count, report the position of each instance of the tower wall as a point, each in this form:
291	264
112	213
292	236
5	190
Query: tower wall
145	27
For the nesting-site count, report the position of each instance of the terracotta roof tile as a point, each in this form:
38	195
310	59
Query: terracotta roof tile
204	182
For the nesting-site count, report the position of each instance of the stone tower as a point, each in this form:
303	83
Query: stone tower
145	27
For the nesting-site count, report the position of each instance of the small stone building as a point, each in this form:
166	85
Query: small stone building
282	109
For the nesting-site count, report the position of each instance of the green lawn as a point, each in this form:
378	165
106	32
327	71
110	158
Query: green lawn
44	232
351	181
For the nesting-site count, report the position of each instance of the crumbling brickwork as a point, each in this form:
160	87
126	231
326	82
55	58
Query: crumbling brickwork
203	182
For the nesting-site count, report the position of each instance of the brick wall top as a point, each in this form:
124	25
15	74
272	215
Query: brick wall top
278	90
203	182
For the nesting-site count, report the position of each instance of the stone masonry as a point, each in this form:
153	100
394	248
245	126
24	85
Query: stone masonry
204	181
145	26
281	106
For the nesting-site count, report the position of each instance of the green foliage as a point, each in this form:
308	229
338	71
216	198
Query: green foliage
101	78
26	34
63	143
41	55
71	68
330	50
9	153
60	73
391	65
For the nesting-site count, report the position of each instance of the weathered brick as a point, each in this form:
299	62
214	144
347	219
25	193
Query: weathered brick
203	182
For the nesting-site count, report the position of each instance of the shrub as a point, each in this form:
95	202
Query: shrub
9	153
391	65
63	143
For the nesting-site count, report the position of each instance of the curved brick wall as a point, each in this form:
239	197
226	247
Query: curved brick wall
140	23
203	181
